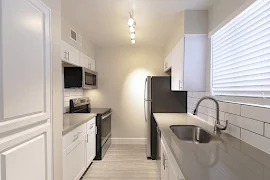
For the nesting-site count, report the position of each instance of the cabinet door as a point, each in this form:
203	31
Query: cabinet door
172	174
73	56
91	147
177	66
93	65
70	54
83	60
25	90
164	163
74	160
64	51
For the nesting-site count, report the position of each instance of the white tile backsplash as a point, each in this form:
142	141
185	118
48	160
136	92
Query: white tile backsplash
261	114
256	140
246	122
71	94
267	130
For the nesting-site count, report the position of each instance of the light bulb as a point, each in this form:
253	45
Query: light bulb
131	22
132	29
132	36
133	41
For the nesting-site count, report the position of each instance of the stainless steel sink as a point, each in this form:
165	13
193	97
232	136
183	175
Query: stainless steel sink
193	134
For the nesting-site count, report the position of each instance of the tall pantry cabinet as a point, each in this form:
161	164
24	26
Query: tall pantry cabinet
25	90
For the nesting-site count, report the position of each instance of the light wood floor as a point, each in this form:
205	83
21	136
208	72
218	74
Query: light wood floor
123	162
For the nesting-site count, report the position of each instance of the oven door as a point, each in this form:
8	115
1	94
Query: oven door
89	79
105	128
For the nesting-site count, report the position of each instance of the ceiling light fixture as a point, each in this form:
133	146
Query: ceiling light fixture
132	36
131	21
132	24
132	29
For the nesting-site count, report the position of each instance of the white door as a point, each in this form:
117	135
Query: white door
25	90
177	66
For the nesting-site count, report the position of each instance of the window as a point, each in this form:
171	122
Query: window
241	54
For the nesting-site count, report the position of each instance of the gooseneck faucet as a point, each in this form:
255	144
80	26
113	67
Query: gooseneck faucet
218	127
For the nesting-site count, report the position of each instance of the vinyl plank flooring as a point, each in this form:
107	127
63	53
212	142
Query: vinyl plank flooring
123	162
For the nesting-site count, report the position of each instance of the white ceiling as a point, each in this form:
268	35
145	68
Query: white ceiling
105	21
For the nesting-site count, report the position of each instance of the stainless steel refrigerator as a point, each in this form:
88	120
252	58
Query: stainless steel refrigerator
158	98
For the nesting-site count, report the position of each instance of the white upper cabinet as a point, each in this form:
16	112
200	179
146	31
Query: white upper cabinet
70	54
188	63
93	64
25	90
87	62
84	60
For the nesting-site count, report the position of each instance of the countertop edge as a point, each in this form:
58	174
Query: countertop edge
64	132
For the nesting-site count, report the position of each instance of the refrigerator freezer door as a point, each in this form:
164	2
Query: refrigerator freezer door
147	89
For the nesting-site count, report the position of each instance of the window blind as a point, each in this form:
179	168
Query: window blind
241	54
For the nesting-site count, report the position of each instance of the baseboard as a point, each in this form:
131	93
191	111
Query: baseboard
128	140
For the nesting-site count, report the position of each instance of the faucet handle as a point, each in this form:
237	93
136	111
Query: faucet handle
220	127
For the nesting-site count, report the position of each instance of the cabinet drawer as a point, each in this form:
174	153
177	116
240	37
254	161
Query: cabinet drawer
74	135
91	125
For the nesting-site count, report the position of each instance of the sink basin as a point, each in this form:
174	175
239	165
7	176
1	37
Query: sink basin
193	134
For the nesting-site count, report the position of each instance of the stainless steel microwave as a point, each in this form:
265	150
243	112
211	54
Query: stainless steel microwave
80	77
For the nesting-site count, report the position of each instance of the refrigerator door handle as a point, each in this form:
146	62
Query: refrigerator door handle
145	116
145	88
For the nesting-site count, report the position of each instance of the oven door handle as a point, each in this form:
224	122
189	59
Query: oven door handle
103	117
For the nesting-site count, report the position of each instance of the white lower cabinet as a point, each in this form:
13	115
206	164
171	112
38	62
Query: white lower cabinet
79	150
169	166
74	160
91	141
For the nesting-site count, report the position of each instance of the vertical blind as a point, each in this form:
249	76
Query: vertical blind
241	54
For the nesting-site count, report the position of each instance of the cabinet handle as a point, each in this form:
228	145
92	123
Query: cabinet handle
164	161
87	138
91	126
68	55
180	85
65	55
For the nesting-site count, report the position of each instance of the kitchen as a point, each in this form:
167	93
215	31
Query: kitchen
134	89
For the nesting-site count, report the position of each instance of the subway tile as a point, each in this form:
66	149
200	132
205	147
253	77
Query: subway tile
198	94
256	140
232	130
267	130
190	106
259	113
246	123
213	113
230	107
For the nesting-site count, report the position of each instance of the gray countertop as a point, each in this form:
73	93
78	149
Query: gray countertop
71	121
232	159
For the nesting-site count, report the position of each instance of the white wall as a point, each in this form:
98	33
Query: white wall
57	111
121	77
178	33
